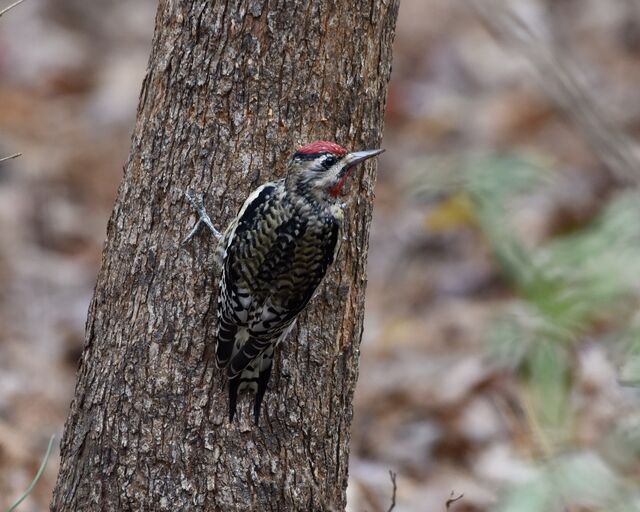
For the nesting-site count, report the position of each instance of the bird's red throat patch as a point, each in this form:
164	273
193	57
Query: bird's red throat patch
336	190
322	146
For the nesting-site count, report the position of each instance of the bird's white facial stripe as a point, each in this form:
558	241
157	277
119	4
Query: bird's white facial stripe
322	161
329	177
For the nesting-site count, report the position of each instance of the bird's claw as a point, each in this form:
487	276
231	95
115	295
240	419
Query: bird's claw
197	203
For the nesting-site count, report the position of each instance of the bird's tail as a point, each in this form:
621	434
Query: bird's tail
254	378
229	338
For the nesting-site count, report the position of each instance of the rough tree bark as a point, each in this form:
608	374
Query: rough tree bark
232	88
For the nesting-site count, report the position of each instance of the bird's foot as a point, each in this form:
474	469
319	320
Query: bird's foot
197	202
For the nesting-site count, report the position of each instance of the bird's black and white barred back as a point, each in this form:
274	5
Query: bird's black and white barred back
274	255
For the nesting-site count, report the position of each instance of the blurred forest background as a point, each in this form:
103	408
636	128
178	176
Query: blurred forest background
500	356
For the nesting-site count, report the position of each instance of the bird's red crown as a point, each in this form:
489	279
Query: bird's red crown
322	146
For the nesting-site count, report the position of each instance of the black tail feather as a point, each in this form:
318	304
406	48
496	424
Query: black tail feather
225	339
234	384
250	351
263	381
255	378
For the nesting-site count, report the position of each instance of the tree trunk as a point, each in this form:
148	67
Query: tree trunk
231	90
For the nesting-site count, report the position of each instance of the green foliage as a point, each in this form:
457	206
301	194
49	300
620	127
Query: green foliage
630	365
579	286
581	479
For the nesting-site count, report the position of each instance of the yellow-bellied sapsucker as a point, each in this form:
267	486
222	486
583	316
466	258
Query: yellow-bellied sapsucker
273	256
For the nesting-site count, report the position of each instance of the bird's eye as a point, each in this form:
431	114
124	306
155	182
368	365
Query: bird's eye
329	161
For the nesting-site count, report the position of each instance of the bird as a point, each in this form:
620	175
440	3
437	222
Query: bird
273	256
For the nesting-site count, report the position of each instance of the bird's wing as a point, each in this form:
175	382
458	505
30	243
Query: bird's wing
310	259
267	320
243	248
291	272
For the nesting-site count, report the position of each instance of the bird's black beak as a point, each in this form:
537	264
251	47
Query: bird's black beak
360	156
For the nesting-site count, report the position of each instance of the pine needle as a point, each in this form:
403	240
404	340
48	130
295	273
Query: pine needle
10	157
14	4
37	477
